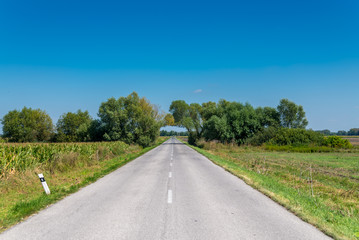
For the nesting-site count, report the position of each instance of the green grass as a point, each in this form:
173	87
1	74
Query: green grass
320	188
22	193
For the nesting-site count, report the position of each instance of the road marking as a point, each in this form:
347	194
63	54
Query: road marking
170	174
169	199
171	164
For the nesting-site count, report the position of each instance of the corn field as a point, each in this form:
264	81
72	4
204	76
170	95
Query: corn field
18	157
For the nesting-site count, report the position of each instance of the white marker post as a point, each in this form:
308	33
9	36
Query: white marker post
44	184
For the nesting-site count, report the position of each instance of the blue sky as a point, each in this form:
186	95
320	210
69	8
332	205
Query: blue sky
62	56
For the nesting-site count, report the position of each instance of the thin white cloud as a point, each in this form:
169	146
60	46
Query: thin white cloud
198	91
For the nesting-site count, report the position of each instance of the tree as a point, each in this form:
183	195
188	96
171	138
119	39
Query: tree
169	120
172	133
130	119
326	132
217	128
189	117
27	125
179	110
291	115
209	109
73	127
342	133
232	122
268	117
353	131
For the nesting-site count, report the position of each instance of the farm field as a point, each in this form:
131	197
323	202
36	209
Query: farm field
66	167
354	140
321	188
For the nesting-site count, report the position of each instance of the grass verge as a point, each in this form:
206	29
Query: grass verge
320	188
22	195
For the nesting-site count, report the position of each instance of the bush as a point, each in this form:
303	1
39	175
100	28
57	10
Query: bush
301	149
337	142
262	136
297	137
192	137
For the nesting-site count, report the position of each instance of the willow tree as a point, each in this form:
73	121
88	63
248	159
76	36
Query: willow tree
130	119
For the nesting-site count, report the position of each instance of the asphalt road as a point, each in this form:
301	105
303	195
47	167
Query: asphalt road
172	192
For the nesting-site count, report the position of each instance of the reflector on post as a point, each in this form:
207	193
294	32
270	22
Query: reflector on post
44	184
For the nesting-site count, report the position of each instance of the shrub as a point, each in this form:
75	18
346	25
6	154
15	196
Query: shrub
302	149
337	142
262	136
297	137
192	137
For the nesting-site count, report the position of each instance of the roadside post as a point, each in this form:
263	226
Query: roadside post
44	184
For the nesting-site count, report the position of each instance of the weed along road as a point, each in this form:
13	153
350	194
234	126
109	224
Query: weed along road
171	192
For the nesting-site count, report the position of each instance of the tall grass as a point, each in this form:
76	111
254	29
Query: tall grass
16	158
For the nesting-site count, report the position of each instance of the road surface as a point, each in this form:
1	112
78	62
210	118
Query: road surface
171	192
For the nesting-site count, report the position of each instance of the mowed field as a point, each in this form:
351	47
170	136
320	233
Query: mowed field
354	140
321	188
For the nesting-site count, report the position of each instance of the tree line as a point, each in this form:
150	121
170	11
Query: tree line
172	133
135	120
234	122
351	132
129	119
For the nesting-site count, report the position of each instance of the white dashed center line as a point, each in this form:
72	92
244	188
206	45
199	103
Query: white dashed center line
169	199
170	174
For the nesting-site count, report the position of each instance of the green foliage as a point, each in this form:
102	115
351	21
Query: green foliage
179	110
130	119
268	117
234	122
300	149
188	116
169	120
172	133
217	128
353	132
291	115
73	127
337	142
262	136
27	125
192	138
96	130
19	157
297	137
